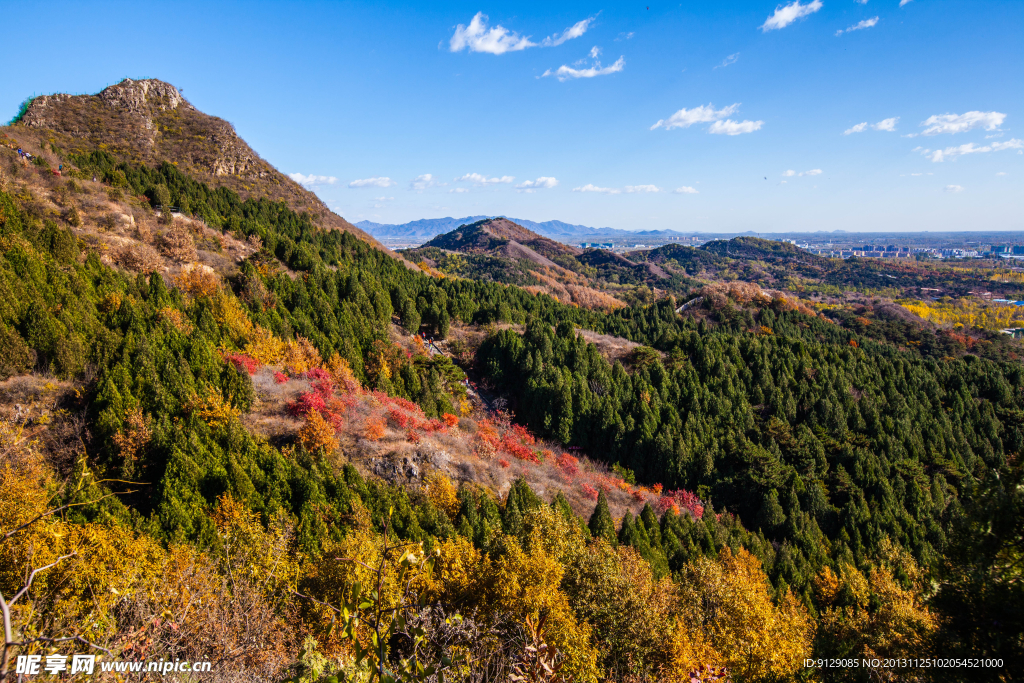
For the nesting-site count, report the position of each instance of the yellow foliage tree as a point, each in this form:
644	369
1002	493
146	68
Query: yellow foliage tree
300	355
86	569
341	373
317	433
213	409
265	347
730	609
443	494
898	625
197	280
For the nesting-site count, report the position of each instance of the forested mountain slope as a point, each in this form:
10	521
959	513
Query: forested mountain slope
790	485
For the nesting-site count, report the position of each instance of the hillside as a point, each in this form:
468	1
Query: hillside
498	250
499	236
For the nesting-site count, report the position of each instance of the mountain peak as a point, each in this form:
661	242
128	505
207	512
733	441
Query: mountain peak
149	121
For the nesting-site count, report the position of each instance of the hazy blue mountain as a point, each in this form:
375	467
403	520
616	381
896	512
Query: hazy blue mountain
428	228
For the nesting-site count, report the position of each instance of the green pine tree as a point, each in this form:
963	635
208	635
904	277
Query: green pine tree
601	523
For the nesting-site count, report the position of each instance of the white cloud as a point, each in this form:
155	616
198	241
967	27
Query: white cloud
685	189
574	31
481	180
867	23
940	155
813	171
859	128
862	2
458	190
628	189
887	125
542	183
786	15
730	127
595	52
625	36
478	37
684	118
904	2
961	123
589	187
372	182
789	174
424	182
383	199
565	72
954	188
731	59
1001	173
310	180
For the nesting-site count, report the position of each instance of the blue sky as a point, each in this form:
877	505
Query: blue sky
753	99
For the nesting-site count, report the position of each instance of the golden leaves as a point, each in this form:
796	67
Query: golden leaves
317	433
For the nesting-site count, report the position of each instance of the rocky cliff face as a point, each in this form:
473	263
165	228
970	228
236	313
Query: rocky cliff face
150	121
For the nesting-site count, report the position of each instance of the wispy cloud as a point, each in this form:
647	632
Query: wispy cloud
685	189
813	171
961	123
458	190
684	118
887	125
565	72
624	36
790	173
497	40
589	187
372	182
731	59
311	180
952	188
940	155
425	182
482	181
542	183
867	23
786	14
628	189
574	31
730	127
904	2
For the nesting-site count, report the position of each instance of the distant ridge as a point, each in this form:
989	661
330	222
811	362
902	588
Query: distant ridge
428	228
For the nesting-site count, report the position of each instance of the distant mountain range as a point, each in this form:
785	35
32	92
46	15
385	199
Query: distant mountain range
428	228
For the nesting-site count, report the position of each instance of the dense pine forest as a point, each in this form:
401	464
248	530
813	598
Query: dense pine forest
808	486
